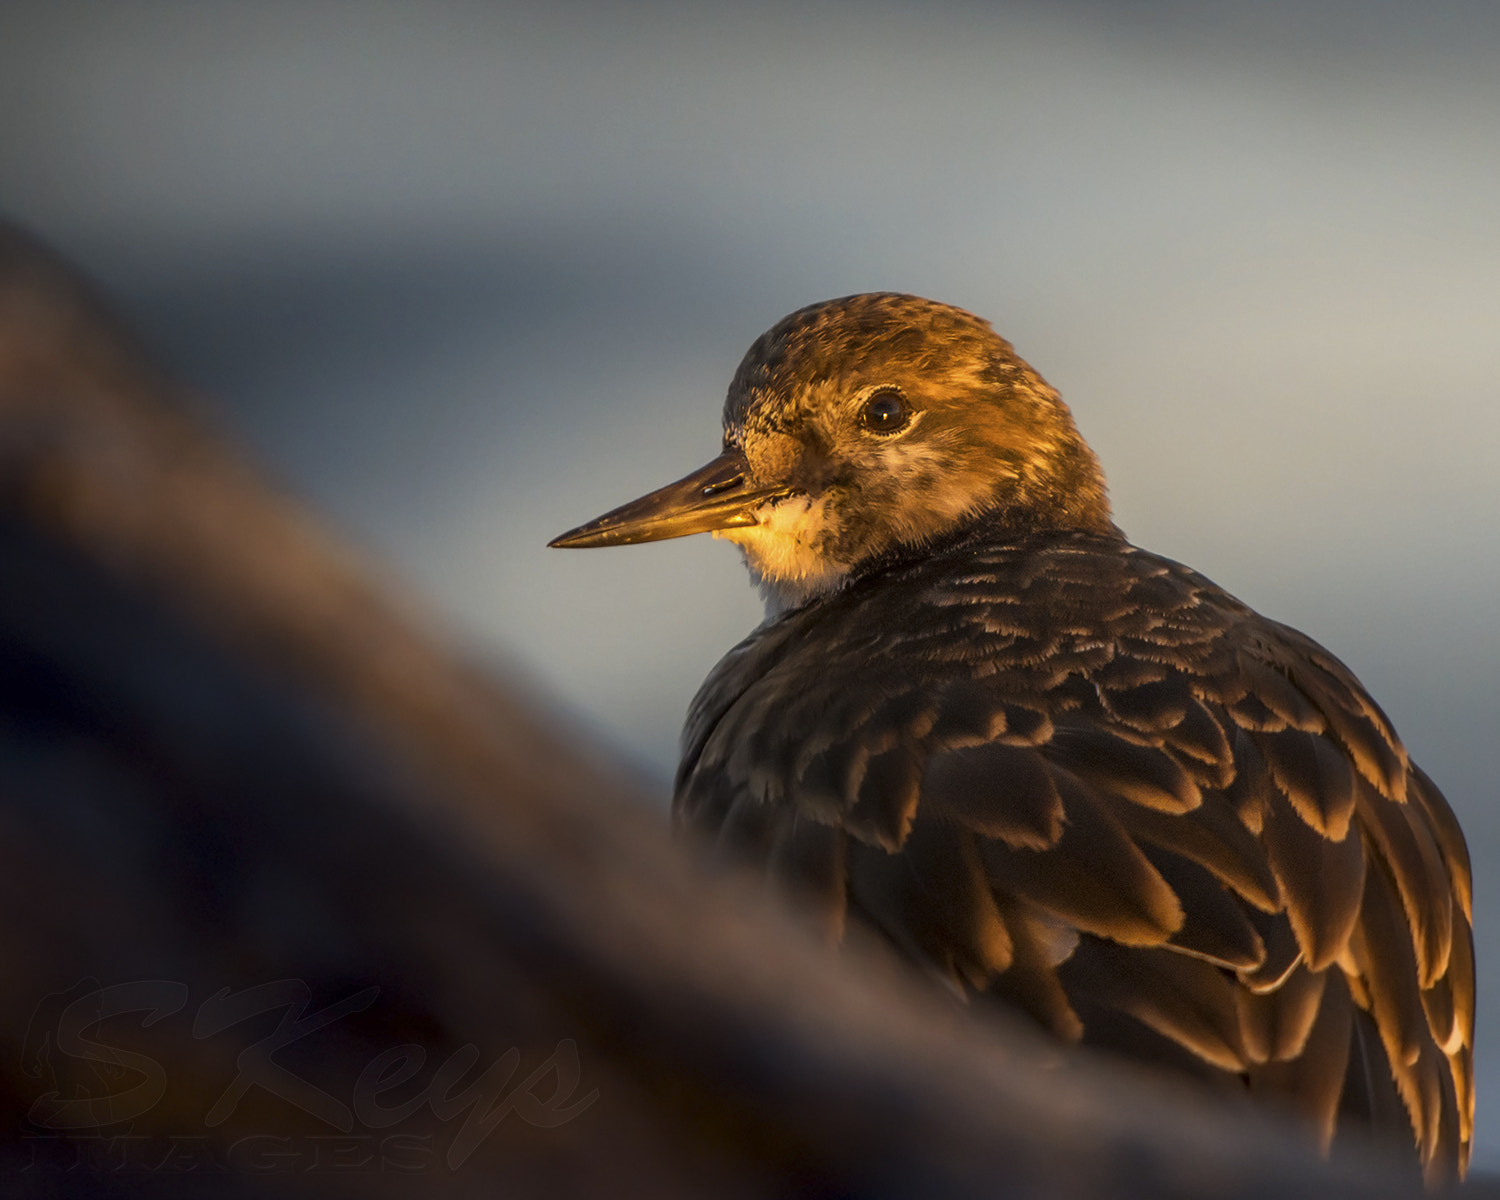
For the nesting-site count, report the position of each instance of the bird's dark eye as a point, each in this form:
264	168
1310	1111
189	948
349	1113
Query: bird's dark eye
884	412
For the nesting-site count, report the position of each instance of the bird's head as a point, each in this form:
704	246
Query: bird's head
865	426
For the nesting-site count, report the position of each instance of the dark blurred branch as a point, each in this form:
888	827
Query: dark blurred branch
230	759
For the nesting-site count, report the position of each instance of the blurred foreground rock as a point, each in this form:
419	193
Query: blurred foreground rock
296	902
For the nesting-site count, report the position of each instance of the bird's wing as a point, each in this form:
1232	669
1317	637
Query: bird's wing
1086	780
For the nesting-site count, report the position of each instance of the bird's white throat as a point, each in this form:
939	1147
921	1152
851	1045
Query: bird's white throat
785	553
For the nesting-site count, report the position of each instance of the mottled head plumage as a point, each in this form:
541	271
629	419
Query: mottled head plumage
867	428
984	434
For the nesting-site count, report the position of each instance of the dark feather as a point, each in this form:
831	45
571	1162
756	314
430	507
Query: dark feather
1283	954
1382	951
1031	982
1025	726
1108	1029
1250	712
1372	747
1313	1082
1213	837
1321	880
1277	693
825	784
998	791
1427	1089
1214	925
1461	1065
1200	737
933	901
1370	1096
905	716
1314	775
886	798
1250	789
749	826
1460	979
1121	768
703	803
966	714
1443	826
1442	1016
1124	673
1416	866
1095	877
1276	1024
807	858
1150	707
1185	999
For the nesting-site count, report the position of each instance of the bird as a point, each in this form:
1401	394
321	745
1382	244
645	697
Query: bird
1055	770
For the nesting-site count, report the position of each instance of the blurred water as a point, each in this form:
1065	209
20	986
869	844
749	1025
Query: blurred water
467	274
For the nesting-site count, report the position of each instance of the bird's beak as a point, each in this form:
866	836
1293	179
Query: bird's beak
716	496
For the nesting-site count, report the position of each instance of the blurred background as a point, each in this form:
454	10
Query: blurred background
463	275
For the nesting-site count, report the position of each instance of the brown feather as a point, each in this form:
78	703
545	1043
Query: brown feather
1460	979
998	791
1450	838
1214	925
1281	695
704	804
1025	726
1095	877
1108	1029
1371	1100
1249	792
1321	880
1372	747
1276	1024
1461	1066
749	826
1214	838
1110	764
1251	713
933	901
1382	950
1031	982
826	781
1313	1082
1448	1147
1427	1088
1442	1017
1400	834
807	858
967	714
1283	953
886	798
1151	707
1200	738
1185	999
1124	673
1314	775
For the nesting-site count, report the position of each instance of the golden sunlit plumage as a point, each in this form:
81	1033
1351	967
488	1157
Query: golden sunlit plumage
1056	769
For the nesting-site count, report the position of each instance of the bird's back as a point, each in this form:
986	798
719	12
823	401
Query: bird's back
1081	778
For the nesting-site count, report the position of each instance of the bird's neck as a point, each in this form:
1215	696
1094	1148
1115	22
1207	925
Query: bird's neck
1003	525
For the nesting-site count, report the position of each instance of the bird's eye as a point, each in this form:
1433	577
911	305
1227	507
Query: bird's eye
884	412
